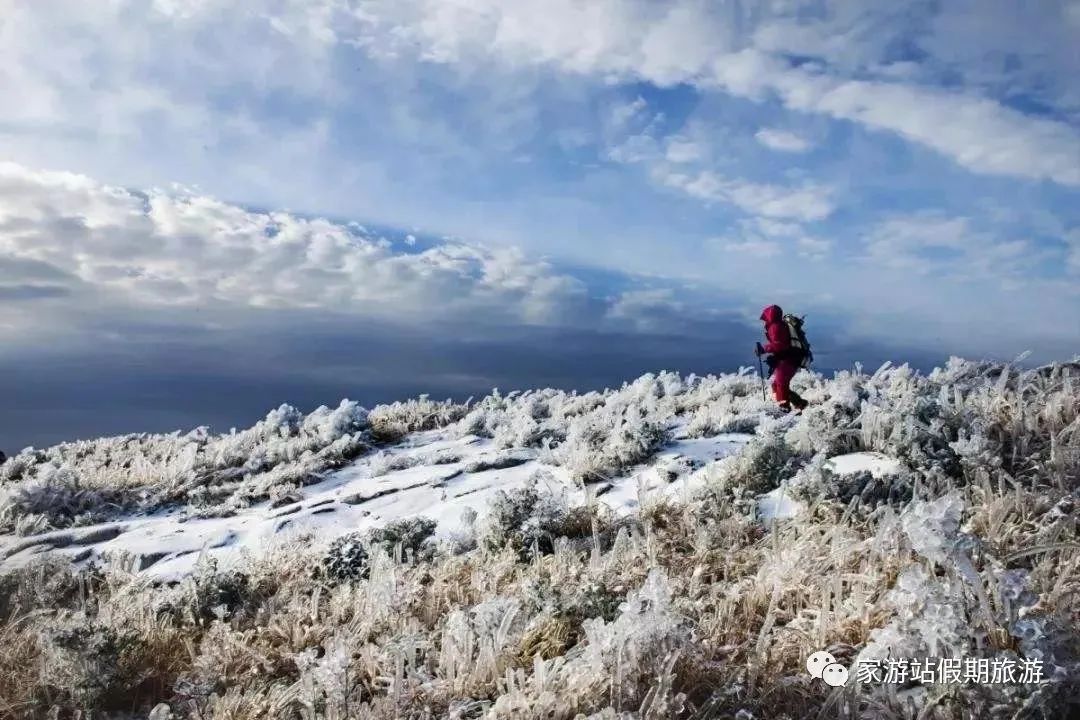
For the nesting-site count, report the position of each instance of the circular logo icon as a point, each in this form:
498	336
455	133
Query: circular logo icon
834	674
817	662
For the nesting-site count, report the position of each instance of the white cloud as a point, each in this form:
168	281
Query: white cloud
813	247
978	133
633	149
901	242
186	250
778	228
764	237
683	150
932	243
623	115
654	309
630	39
806	203
676	161
782	140
753	247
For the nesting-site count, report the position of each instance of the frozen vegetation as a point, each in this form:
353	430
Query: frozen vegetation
670	549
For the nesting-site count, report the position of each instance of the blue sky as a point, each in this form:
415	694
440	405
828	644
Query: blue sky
908	174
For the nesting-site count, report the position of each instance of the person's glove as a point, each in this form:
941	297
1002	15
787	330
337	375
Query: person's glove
758	350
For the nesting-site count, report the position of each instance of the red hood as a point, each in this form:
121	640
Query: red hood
772	314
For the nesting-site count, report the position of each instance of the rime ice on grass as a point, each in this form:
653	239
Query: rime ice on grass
932	516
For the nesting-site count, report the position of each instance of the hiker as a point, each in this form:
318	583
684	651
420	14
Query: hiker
784	358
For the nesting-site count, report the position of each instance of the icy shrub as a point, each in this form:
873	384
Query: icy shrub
521	429
575	602
718	418
50	583
412	534
325	676
55	496
519	420
17	467
634	646
813	479
85	661
484	417
464	538
348	418
92	481
601	444
823	428
930	619
872	492
594	435
284	494
597	600
209	594
476	646
762	464
348	557
730	404
530	520
516	516
390	423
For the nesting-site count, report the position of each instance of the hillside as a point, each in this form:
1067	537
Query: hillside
670	549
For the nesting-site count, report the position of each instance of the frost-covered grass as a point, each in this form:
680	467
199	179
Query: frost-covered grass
86	482
697	609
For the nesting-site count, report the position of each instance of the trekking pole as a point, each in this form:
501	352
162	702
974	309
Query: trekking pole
761	374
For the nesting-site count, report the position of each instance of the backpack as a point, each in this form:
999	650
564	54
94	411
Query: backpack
800	346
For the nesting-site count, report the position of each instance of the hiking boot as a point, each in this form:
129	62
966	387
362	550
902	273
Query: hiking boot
785	407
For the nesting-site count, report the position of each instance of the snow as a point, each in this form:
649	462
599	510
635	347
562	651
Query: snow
362	496
778	505
876	464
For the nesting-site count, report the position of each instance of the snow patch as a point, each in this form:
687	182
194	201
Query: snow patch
778	505
877	464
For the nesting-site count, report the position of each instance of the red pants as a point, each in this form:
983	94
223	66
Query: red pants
781	380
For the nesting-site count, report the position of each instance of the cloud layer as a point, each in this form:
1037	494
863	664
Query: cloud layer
188	250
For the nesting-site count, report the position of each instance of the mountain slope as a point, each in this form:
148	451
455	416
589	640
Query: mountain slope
668	549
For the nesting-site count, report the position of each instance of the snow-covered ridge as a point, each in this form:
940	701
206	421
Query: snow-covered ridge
167	499
170	499
668	548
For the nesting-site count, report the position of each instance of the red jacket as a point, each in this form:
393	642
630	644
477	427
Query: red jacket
777	335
